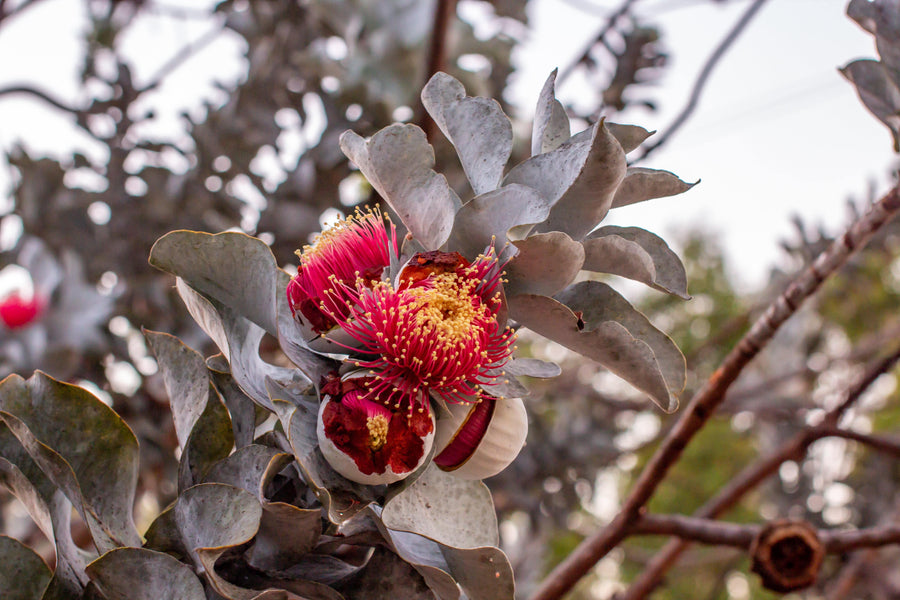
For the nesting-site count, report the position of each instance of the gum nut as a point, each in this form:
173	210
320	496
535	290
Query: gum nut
479	440
346	465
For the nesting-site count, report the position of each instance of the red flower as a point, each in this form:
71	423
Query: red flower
366	442
17	311
357	248
436	332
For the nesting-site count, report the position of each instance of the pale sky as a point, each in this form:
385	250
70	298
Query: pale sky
778	130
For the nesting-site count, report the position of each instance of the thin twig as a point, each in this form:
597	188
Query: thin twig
585	54
880	443
850	574
18	10
754	474
719	533
182	56
708	398
702	78
31	91
444	11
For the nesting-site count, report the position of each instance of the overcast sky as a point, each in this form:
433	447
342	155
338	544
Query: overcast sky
778	130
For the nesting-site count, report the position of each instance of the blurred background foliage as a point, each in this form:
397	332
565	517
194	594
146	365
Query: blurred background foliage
260	155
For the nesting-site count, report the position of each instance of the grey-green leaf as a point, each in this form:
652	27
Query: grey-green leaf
82	446
217	516
629	136
23	574
398	162
580	179
599	303
551	124
238	338
487	218
235	269
185	377
477	128
142	574
878	92
608	342
881	18
637	254
642	184
544	264
532	367
455	512
341	498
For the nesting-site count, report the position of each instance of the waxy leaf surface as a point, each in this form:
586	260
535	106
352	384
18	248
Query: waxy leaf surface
487	218
878	92
608	342
82	446
477	128
551	124
637	254
447	509
142	574
398	162
544	264
23	574
235	269
580	179
646	184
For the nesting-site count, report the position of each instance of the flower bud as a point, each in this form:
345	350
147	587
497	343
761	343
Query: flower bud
479	440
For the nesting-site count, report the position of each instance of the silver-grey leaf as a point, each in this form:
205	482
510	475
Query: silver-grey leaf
532	367
398	162
878	92
597	302
23	573
185	377
642	184
580	178
156	574
629	136
637	254
487	218
41	412
234	269
477	128
551	124
445	508
608	342
544	264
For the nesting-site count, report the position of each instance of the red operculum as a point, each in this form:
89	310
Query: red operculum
468	436
16	311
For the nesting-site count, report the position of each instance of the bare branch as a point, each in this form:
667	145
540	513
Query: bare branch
702	78
31	91
876	442
708	398
6	13
585	54
719	533
754	474
705	531
444	11
182	56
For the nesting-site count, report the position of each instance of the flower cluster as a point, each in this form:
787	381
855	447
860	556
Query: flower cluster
436	331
